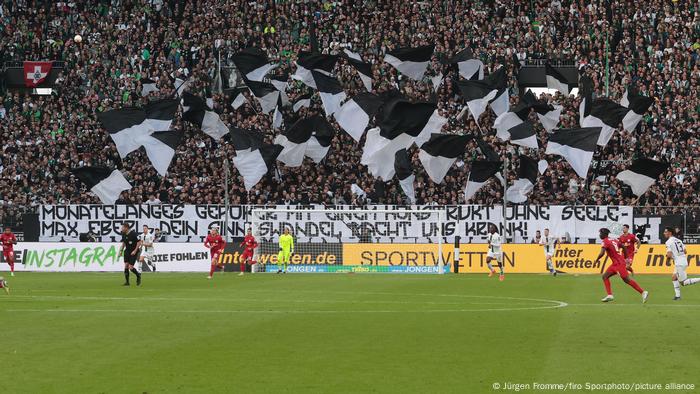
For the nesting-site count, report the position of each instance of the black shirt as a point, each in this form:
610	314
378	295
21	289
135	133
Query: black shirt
129	240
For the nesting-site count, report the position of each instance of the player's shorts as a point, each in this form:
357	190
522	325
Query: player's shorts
620	269
283	256
680	272
247	254
495	255
130	258
215	255
3	284
8	255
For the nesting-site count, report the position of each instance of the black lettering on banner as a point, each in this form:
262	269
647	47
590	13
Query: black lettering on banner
527	212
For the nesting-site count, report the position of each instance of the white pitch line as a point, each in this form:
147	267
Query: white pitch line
609	304
281	311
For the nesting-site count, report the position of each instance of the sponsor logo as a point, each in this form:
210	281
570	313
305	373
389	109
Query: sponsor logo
392	255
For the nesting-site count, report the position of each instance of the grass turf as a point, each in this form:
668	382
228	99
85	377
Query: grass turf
84	333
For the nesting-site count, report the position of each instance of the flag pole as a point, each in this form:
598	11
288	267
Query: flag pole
226	199
607	64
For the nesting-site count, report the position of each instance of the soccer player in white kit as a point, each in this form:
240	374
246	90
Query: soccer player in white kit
675	249
550	244
146	240
495	252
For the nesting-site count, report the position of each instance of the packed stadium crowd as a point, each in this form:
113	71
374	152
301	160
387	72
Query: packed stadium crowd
654	46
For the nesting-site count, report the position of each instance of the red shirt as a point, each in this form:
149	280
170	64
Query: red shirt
7	242
629	241
249	243
612	248
215	242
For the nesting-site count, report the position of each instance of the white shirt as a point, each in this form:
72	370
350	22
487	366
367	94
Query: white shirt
677	249
147	239
494	242
549	242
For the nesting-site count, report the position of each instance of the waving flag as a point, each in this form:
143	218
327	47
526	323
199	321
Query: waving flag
356	113
404	171
126	126
440	153
642	174
576	146
412	62
105	183
36	73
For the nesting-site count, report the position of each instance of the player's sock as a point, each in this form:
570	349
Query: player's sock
212	269
242	267
691	281
126	275
635	286
677	288
490	266
608	288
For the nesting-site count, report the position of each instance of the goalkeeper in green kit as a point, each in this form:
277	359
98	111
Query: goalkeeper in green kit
286	249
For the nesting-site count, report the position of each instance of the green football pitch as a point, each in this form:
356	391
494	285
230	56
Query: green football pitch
326	333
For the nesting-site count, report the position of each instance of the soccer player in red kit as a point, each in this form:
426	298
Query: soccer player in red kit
215	242
249	243
8	241
618	266
630	244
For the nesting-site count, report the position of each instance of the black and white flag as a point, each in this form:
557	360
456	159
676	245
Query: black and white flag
527	177
490	91
196	111
147	86
310	137
586	93
556	80
127	125
254	163
576	146
303	101
547	114
105	183
238	98
180	86
607	115
160	148
412	62
404	171
480	173
363	69
243	139
637	106
356	113
642	174
468	66
307	62
280	81
400	124
509	126
440	152
253	64
330	90
266	94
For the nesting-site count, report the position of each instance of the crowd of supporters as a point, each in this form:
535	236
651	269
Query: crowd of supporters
654	46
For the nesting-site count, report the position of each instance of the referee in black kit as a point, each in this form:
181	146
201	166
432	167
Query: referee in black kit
130	247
